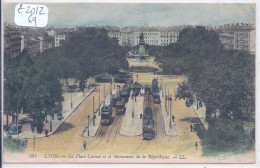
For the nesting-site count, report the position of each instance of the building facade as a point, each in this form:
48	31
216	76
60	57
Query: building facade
33	40
12	41
118	35
227	39
244	40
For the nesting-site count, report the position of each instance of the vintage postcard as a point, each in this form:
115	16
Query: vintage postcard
129	82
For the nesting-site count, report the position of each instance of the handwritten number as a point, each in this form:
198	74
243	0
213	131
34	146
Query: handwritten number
28	8
41	11
30	19
33	11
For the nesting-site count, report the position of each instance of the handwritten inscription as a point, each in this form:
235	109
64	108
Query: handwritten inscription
31	15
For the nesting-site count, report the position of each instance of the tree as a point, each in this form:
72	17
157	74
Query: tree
222	79
94	52
33	85
16	72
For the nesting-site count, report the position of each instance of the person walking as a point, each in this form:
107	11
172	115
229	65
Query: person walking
191	127
196	146
46	132
84	145
141	116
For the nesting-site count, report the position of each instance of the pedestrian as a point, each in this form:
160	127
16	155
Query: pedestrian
191	127
135	98
84	145
141	116
46	132
172	118
196	146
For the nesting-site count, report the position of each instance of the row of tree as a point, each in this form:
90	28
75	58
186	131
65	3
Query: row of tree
32	84
223	80
31	87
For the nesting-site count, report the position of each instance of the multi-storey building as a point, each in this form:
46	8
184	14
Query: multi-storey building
33	40
12	41
48	42
244	40
150	38
168	38
240	36
118	35
57	38
227	39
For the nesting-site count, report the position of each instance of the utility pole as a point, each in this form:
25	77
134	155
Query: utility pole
133	110
51	125
99	102
171	113
161	86
110	88
71	105
33	143
168	103
104	92
93	112
88	124
165	89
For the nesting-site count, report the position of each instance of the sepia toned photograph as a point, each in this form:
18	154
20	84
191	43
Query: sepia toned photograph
129	82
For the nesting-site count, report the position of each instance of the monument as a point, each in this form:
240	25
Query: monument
141	51
141	54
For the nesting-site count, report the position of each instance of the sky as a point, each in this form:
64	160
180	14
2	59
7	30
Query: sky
133	14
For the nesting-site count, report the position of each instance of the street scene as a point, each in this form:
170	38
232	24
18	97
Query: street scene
132	94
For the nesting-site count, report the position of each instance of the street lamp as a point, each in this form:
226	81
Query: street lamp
71	105
110	88
168	103
170	112
133	110
88	124
165	89
161	86
99	102
33	143
94	112
104	92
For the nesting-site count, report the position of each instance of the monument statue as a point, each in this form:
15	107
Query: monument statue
141	51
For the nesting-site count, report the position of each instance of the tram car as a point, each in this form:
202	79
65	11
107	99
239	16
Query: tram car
148	129
156	91
120	106
125	92
136	87
104	77
122	77
147	113
106	115
148	124
113	99
147	89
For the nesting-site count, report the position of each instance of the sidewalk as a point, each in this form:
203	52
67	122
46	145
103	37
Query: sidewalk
169	128
93	128
201	113
77	99
133	126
